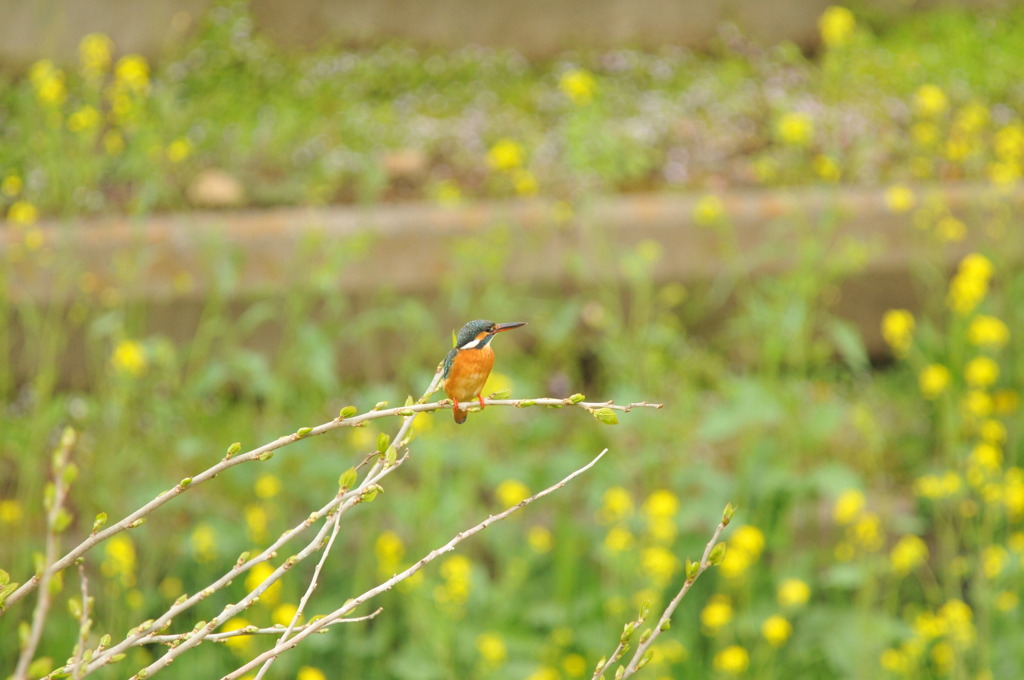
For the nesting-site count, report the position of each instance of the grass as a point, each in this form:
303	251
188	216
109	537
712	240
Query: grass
880	524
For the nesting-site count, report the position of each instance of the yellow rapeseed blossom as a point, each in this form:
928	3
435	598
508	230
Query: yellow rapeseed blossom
827	168
793	592
981	372
795	128
894	661
618	539
11	185
284	613
951	230
993	560
255	578
491	648
94	55
84	119
661	503
748	539
1004	173
512	492
10	511
544	673
524	182
736	563
456	572
776	630
132	73
848	507
986	456
908	554
48	82
178	150
660	565
239	643
616	505
1007	601
389	550
22	213
540	539
256	522
579	85
988	331
733	660
1013	494
119	560
898	330
925	133
506	154
267	486
933	380
574	665
959	620
1005	402
867	532
129	358
900	198
310	673
971	118
204	543
992	431
836	25
716	614
943	656
708	210
1008	142
930	101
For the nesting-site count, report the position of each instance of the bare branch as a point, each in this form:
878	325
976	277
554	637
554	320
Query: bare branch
351	604
84	624
253	630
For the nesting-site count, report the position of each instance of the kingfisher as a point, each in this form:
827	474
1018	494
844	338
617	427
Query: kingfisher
468	364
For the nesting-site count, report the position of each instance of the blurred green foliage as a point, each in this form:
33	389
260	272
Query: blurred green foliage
879	531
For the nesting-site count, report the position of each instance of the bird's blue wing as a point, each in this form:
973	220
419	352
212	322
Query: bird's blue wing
449	359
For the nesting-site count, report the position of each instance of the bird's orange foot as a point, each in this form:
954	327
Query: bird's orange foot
455	404
480	398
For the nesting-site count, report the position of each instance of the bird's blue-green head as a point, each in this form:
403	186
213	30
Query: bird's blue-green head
478	333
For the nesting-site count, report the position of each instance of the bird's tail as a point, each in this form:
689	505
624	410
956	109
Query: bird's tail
460	415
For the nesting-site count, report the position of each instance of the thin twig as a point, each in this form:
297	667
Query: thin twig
56	501
84	624
351	604
251	630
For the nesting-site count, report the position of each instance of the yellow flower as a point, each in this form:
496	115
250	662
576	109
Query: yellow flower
898	330
389	550
84	119
256	521
951	229
708	210
11	186
456	571
748	539
10	511
987	331
618	539
1004	173
524	182
733	660
48	83
178	150
837	25
129	358
257	575
959	619
284	613
933	380
544	673
899	198
204	543
616	505
239	643
993	560
827	168
981	372
659	564
1007	601
578	85
992	431
930	101
310	673
505	155
793	592
22	213
716	614
1008	142
972	118
512	492
776	630
1005	402
132	73
795	128
848	507
867	532
119	560
539	538
924	132
574	665
491	648
661	504
736	563
908	554
267	486
94	55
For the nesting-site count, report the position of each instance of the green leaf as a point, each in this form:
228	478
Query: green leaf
717	554
383	440
62	520
98	523
70	474
5	578
234	449
75	607
347	412
576	398
391	457
501	394
348	478
303	432
606	416
6	591
381	405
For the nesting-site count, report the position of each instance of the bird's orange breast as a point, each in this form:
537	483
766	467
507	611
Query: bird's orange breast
468	373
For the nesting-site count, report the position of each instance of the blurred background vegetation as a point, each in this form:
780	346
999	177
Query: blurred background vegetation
881	498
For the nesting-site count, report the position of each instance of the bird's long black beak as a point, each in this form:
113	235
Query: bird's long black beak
498	328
